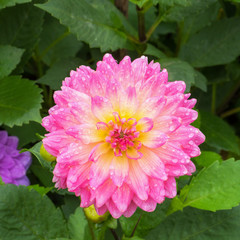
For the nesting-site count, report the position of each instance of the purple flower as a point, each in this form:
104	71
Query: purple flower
13	165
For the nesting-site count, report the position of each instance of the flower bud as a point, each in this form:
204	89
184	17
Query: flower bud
45	155
92	215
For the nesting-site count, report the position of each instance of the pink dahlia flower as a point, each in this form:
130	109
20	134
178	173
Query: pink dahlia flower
121	135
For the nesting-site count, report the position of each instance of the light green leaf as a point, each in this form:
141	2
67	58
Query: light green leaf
41	190
21	26
194	224
9	3
140	3
178	70
20	101
207	158
9	58
216	187
59	71
153	51
218	133
89	21
78	225
213	45
146	220
27	215
56	42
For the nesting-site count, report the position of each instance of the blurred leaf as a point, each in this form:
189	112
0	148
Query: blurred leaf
27	133
132	238
207	158
71	203
27	215
41	190
1	181
21	26
216	187
89	21
200	81
172	2
194	224
9	3
9	58
78	226
43	174
140	3
56	42
153	51
57	73
20	101
213	45
178	70
218	133
146	220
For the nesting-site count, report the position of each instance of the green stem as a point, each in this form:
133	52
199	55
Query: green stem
132	234
230	112
141	25
114	234
56	41
154	26
214	90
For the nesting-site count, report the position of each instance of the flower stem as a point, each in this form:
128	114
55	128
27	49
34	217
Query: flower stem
132	234
141	25
114	234
230	112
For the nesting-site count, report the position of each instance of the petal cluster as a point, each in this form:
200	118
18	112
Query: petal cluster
121	135
13	165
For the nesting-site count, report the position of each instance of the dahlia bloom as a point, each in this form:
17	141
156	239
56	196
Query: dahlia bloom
121	135
13	165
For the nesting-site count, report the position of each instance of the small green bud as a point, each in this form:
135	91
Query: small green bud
45	155
92	215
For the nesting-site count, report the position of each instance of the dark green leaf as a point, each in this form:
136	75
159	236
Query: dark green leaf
27	215
153	51
207	158
200	81
21	26
216	187
172	2
57	73
194	224
20	101
213	45
218	133
9	58
146	220
9	3
178	70
140	3
89	21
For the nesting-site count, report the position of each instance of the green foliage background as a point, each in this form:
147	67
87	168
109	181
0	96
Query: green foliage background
197	41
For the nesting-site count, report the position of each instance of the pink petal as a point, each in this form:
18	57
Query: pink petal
137	180
133	153
100	170
167	124
98	150
175	87
122	197
131	210
148	205
100	211
157	191
176	170
102	108
145	124
153	139
170	187
151	164
119	170
108	188
85	197
139	67
108	58
124	75
190	168
187	115
113	209
172	103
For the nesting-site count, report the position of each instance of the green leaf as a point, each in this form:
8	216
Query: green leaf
145	221
1	181
57	73
207	158
194	224
218	133
56	42
9	3
71	203
9	58
153	51
178	70
27	133
200	81
172	2
89	21
216	187
41	190
78	225
132	238
213	45
20	101
21	26
140	3
27	215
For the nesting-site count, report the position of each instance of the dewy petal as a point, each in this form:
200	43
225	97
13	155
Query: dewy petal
148	205
145	124
124	75
137	180
152	165
102	108
133	153
170	187
100	170
153	139
131	210
122	197
98	150
173	88
157	191
119	170
114	211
